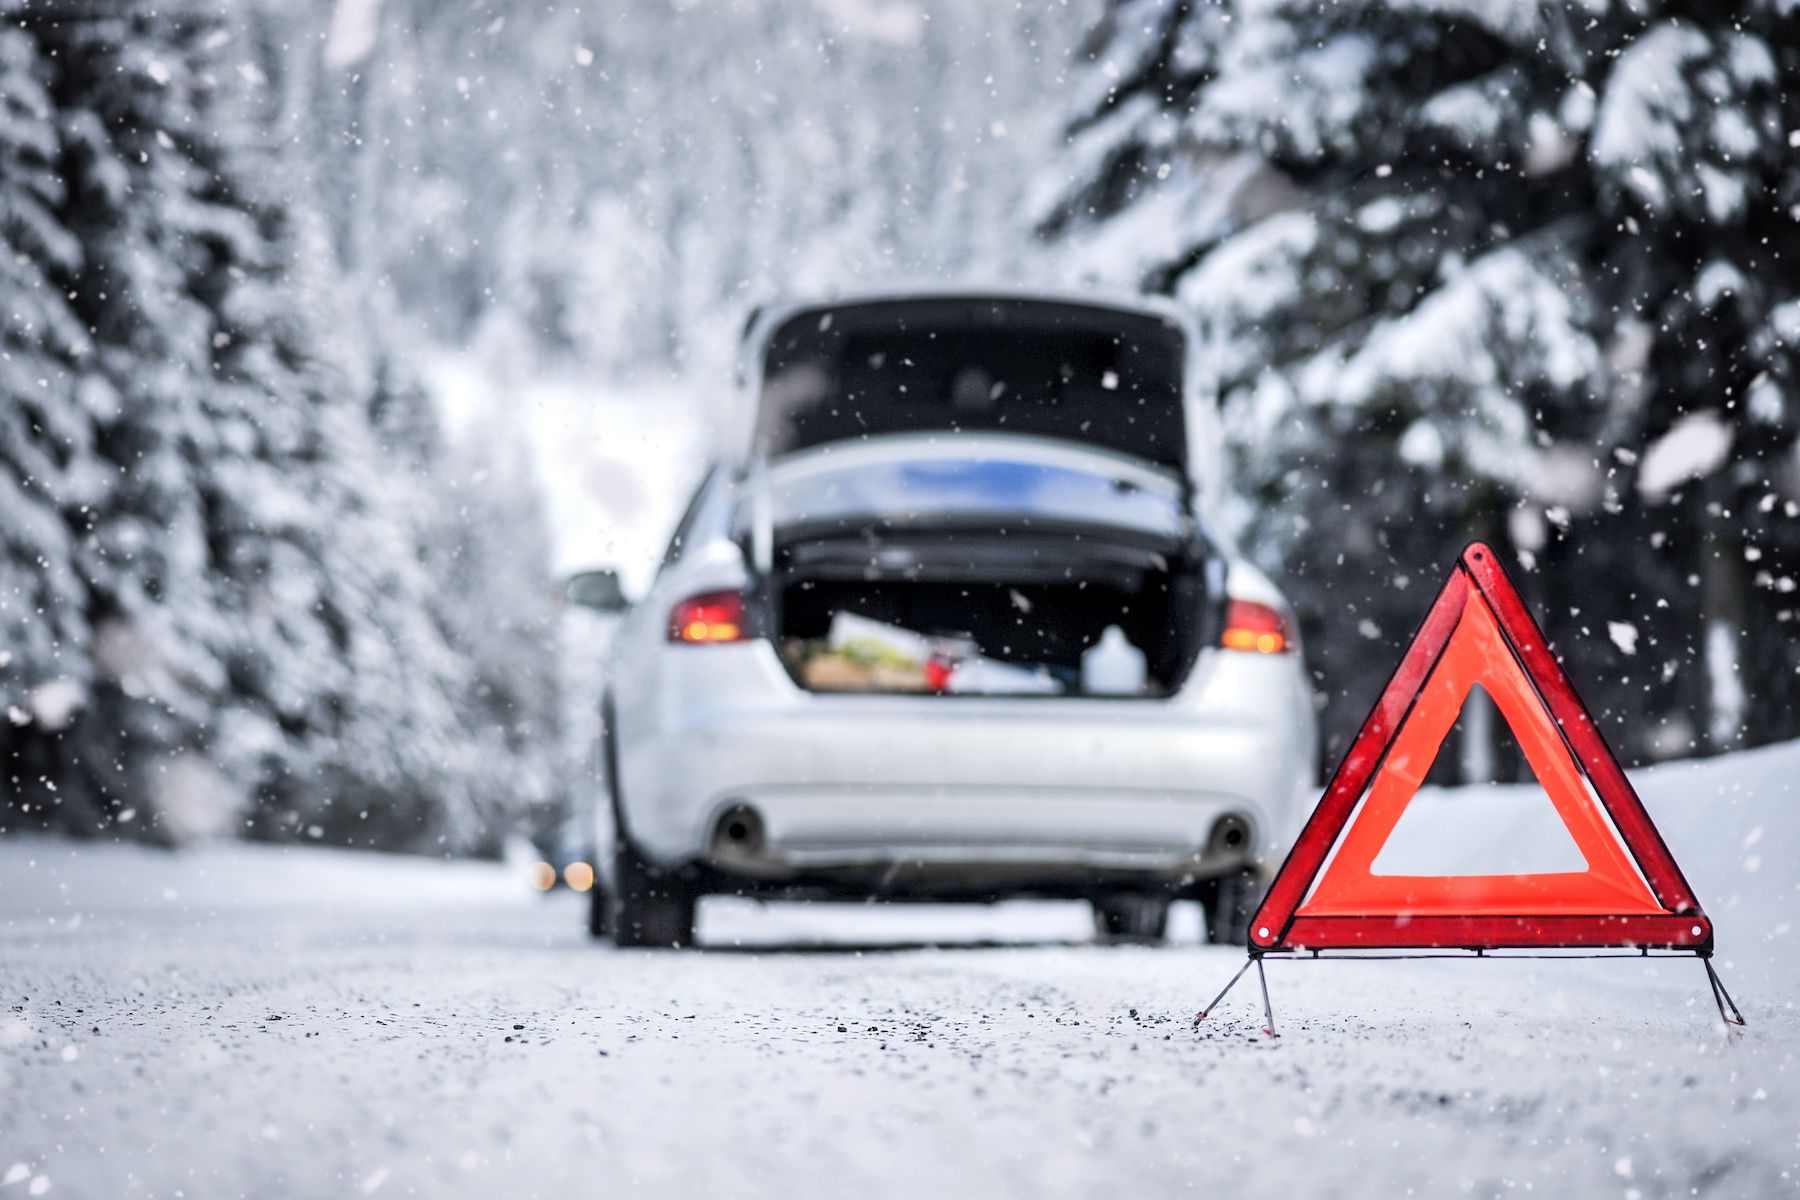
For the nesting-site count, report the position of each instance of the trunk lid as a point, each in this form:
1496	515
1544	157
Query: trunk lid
1111	378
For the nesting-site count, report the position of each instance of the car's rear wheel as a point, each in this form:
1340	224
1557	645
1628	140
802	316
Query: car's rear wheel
599	923
650	906
1229	904
1131	917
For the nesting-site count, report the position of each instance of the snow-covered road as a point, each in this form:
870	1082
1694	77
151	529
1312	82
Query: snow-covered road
246	1021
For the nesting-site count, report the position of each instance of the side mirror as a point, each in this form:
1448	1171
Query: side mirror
598	590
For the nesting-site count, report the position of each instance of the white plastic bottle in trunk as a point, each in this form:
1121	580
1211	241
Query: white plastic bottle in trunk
1113	666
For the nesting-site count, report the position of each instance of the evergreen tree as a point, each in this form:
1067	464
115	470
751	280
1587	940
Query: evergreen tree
222	613
492	555
1510	271
622	183
48	472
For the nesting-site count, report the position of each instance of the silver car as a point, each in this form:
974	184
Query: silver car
947	621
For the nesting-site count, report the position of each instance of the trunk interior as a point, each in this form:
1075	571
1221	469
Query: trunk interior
1023	608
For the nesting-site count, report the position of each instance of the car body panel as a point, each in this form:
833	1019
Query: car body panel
915	771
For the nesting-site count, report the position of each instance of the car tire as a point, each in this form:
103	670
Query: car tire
1140	917
1229	904
650	906
599	923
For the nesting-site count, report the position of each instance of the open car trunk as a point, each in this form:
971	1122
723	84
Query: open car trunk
979	494
962	613
981	565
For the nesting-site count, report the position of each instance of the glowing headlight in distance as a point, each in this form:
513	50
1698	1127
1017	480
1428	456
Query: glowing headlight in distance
1258	627
579	876
543	876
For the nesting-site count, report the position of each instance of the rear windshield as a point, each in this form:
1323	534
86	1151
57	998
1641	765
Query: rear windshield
1083	373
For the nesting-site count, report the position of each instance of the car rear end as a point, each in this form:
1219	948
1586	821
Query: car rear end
876	667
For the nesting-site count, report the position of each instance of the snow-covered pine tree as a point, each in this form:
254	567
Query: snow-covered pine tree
122	603
48	479
238	626
1512	271
492	553
623	183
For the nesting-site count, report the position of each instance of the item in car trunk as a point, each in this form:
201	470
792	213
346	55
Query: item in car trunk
876	641
861	655
833	672
1040	605
986	677
1113	667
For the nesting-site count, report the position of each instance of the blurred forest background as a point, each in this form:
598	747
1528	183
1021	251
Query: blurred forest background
289	286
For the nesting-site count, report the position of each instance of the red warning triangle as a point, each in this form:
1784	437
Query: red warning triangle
1479	632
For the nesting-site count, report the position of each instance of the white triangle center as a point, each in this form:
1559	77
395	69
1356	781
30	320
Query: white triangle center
1483	829
1488	829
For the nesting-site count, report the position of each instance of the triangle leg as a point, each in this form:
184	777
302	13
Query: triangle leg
1203	1013
1268	1013
1735	1021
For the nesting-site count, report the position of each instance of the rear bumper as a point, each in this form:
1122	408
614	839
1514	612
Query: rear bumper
972	835
976	790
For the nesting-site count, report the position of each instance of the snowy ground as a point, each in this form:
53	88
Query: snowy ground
243	1021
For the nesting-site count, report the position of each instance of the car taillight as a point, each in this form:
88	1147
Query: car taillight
708	617
1258	627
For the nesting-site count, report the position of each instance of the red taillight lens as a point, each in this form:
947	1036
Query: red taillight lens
1253	626
708	617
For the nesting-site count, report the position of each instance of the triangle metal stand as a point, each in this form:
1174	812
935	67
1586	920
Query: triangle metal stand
1268	1012
1729	1015
1734	1023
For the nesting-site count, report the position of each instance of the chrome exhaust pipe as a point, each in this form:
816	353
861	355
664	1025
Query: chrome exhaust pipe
740	844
